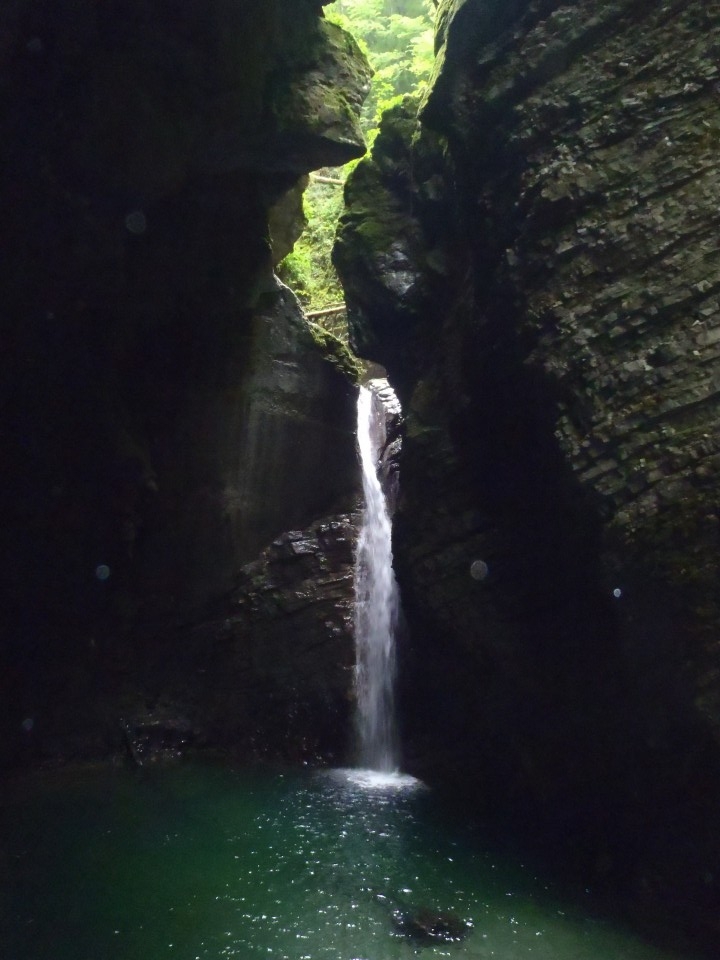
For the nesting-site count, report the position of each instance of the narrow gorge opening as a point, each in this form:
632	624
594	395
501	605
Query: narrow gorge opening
397	38
528	253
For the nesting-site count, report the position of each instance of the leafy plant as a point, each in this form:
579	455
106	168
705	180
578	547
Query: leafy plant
397	38
308	269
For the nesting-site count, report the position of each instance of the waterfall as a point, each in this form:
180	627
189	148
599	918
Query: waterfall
376	602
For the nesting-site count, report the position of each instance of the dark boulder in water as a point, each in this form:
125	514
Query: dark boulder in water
428	926
424	925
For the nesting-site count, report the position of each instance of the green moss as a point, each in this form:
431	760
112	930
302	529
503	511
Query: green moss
373	215
379	234
378	192
335	352
318	90
308	268
295	270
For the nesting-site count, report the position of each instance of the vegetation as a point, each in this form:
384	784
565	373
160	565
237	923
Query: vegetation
308	270
397	38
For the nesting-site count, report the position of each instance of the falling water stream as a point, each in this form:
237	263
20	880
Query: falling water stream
377	601
201	861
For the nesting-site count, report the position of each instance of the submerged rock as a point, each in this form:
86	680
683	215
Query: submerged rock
425	926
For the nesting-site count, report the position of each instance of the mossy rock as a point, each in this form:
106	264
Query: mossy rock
316	94
335	351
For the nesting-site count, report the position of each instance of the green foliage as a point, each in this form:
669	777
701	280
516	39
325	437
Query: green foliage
397	38
308	269
336	351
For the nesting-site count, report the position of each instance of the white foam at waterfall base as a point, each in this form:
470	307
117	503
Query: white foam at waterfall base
376	604
382	780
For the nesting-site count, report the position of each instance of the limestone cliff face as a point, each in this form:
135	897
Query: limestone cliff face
536	263
167	412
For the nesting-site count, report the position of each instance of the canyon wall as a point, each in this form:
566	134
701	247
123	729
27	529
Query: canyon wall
532	253
167	412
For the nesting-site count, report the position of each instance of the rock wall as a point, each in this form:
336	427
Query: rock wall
166	409
266	673
535	262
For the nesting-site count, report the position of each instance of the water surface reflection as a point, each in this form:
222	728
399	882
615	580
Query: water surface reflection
201	862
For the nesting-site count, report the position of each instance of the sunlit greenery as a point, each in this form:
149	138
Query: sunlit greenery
397	38
308	269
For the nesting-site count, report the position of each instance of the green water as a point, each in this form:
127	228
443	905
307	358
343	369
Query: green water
198	862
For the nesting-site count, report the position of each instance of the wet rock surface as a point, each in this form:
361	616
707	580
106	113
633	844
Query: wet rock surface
551	329
166	409
268	673
391	443
265	674
155	736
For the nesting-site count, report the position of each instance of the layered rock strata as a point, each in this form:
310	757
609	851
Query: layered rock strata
535	262
268	672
